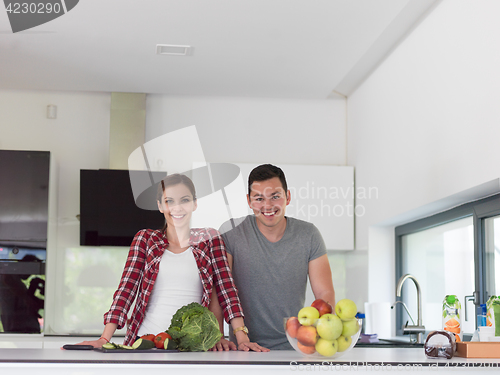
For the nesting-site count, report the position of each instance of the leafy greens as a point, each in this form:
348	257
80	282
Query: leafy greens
194	328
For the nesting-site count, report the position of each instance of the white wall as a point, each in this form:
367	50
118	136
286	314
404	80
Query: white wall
247	130
425	124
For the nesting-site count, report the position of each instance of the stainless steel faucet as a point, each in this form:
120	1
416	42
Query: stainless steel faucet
406	308
418	329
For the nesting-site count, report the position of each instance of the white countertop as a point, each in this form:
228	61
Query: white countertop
275	357
50	359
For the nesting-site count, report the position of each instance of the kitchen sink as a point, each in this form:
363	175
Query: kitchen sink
385	343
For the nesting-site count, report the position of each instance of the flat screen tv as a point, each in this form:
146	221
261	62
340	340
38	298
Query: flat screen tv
109	215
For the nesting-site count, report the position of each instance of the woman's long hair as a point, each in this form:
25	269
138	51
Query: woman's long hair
173	179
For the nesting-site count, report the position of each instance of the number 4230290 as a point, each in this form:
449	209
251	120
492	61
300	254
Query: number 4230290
33	8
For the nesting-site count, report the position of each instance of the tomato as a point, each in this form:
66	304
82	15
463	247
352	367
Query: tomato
160	338
149	337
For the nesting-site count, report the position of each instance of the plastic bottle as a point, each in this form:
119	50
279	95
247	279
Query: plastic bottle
481	317
362	317
451	316
493	314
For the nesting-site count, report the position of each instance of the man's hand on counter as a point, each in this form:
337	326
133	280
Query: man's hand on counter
253	346
224	345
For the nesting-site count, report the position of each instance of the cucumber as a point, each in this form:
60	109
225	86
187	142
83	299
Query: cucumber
120	346
143	344
169	344
110	345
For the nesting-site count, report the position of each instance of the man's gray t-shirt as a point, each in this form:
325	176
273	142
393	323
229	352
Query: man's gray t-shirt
271	277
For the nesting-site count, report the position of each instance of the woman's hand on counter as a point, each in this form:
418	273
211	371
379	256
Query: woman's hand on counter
109	330
95	343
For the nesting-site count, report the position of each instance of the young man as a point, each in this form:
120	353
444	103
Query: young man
271	256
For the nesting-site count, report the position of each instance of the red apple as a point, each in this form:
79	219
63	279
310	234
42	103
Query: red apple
307	335
306	349
292	326
322	306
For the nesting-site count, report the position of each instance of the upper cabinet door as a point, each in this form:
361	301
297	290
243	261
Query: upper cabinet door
322	195
24	198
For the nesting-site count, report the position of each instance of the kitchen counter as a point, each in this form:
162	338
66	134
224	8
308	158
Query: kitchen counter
57	361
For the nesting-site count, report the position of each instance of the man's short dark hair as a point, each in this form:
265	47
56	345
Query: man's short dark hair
265	172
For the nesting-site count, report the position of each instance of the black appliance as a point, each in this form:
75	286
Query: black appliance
109	215
24	202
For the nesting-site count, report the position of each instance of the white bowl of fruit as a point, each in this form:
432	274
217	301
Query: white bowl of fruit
323	331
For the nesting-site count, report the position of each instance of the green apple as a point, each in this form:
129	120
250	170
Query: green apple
350	327
326	348
329	326
344	343
346	309
308	315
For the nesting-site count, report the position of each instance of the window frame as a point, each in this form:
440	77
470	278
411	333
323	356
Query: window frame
480	210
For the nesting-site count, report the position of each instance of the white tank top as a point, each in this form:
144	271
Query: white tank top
177	284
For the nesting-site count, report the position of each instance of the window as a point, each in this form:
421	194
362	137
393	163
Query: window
91	276
453	252
492	254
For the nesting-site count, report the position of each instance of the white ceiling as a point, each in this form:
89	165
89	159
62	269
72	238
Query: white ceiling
256	48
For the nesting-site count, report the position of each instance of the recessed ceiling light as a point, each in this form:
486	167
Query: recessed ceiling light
172	49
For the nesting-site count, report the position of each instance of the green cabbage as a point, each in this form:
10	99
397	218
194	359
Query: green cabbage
194	328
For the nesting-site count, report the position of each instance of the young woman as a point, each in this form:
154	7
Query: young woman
171	267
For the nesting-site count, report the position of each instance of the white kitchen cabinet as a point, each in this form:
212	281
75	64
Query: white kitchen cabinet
323	195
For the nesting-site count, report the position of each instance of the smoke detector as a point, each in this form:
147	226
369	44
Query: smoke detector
172	49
